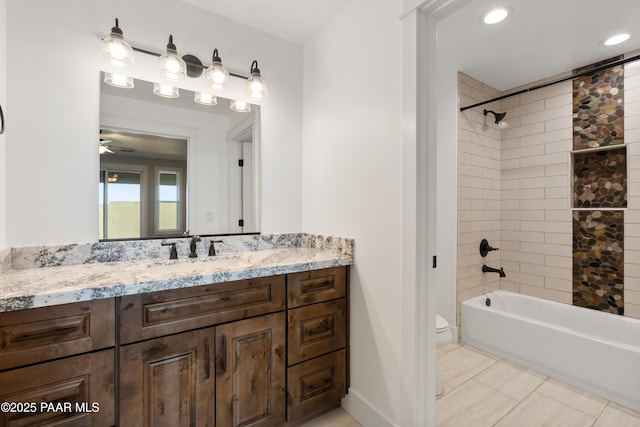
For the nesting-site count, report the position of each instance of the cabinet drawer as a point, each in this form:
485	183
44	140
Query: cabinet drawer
39	334
156	314
314	286
316	386
316	329
80	388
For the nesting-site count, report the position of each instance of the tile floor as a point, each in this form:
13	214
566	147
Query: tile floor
483	390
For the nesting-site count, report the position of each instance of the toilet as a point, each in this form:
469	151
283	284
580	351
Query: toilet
443	337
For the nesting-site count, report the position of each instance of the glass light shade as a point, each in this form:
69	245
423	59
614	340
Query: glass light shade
166	90
116	51
217	76
171	65
240	106
119	80
256	87
205	98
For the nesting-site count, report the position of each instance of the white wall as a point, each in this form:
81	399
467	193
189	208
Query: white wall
352	169
53	60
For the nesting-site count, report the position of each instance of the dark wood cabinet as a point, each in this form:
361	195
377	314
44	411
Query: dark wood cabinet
250	372
76	391
42	334
168	382
317	342
268	351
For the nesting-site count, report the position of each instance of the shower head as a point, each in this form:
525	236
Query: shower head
498	116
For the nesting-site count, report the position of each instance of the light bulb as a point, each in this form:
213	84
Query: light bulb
240	106
166	90
118	80
205	98
115	50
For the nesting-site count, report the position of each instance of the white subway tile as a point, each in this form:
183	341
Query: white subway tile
565	99
524	110
508	144
534	193
631	297
632	243
634	175
556	193
631	136
468	193
485	162
521	131
632	217
632	270
485	226
546	159
558	261
564	134
484	204
473	182
522	257
631	95
510	225
509	205
523	236
547	249
559	169
527	279
523	172
631	256
469	260
516	153
555	124
511	102
546	226
510	266
544	182
632	230
508	246
632	283
558	284
510	286
469	170
558	147
632	311
546	271
548	204
631	122
510	184
510	164
632	108
559	90
562	111
490	194
558	216
491	173
558	238
519	215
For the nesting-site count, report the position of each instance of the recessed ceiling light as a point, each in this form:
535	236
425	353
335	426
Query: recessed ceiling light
617	39
495	15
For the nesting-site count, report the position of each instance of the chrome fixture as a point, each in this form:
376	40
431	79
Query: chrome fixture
487	269
173	252
192	246
212	246
485	248
498	116
118	53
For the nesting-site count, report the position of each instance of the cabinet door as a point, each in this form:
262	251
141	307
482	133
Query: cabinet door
168	382
250	372
77	391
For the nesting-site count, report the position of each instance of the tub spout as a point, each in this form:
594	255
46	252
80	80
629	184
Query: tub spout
487	269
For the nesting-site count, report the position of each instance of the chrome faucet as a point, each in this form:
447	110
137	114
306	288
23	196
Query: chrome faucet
487	269
192	246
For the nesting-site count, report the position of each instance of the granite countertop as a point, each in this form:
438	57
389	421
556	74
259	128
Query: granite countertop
40	287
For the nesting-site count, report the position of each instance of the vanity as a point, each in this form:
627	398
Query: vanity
250	337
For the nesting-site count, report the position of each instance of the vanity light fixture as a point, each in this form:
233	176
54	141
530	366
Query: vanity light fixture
240	106
617	39
166	90
116	50
217	75
118	80
496	15
171	65
119	54
205	98
255	85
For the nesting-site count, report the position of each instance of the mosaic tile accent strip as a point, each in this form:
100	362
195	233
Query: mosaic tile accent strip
598	108
598	260
600	179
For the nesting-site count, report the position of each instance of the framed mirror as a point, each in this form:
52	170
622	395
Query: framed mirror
170	166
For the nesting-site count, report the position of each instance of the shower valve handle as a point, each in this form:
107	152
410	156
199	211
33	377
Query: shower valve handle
485	248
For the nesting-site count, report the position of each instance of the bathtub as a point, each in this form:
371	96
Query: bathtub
595	351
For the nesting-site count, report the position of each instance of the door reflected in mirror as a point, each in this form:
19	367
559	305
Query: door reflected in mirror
170	166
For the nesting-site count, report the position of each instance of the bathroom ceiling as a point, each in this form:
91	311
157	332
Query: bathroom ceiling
541	38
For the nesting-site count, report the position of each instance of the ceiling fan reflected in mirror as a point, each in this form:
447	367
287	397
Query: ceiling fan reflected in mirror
103	147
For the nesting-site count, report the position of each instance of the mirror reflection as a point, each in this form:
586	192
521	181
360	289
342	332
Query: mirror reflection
173	166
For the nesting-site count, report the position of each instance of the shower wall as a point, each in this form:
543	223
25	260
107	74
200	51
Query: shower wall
530	194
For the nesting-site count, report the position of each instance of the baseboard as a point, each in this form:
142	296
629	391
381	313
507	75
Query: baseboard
365	413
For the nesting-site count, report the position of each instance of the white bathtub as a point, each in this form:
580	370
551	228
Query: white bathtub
595	351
